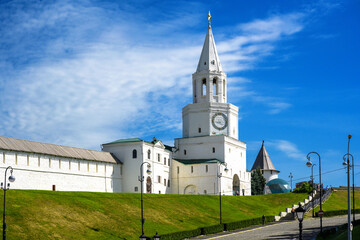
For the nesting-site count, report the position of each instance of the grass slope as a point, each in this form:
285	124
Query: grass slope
83	215
338	201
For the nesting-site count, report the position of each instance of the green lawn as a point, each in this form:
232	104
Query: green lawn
338	201
82	215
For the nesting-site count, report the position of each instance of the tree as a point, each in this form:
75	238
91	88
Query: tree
257	182
305	188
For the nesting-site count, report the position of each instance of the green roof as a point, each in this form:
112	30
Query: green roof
127	140
198	161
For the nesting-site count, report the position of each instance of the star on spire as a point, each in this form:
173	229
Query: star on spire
209	18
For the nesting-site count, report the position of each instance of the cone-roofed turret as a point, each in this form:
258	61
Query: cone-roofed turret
209	59
263	160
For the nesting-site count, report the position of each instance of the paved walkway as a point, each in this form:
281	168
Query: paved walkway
282	230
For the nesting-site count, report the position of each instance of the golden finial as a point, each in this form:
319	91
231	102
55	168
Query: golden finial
209	18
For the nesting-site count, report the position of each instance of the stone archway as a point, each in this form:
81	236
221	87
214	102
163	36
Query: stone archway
236	185
148	185
190	189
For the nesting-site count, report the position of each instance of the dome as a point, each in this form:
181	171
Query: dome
278	185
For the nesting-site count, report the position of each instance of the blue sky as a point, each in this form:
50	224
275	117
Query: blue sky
82	73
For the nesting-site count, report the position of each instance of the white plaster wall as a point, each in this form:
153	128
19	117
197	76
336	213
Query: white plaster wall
131	166
270	175
41	172
228	150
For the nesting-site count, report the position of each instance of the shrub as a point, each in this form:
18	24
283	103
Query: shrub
181	235
305	188
212	229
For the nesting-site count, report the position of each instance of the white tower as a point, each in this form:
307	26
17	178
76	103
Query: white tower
210	135
210	114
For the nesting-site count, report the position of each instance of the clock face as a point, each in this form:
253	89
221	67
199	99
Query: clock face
219	121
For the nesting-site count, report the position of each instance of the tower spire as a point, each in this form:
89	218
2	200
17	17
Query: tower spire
209	59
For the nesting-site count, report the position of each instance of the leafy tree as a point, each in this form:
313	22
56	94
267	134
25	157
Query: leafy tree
257	182
305	188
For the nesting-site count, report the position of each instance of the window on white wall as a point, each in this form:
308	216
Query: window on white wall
3	157
159	179
168	161
16	159
206	168
168	183
79	165
165	182
192	169
213	150
39	161
59	163
164	160
184	151
136	189
49	162
28	161
69	164
134	153
149	154
158	157
88	167
178	170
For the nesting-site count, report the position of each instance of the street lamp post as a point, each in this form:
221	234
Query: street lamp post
309	163
141	179
347	163
312	184
6	187
219	175
291	177
300	216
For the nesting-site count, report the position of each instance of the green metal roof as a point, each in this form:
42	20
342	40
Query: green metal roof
127	140
198	161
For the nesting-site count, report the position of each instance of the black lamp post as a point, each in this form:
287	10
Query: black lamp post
347	163
219	176
291	177
300	216
156	236
141	179
6	187
310	163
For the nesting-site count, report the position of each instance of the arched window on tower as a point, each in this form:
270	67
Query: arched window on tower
203	87
134	153
215	88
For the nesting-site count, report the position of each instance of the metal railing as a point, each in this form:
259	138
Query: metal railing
325	196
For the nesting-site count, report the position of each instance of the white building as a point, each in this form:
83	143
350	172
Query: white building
210	135
133	152
197	163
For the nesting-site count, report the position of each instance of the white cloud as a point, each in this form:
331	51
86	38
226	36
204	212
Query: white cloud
289	148
82	78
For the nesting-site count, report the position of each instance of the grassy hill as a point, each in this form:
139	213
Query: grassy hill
338	201
83	215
